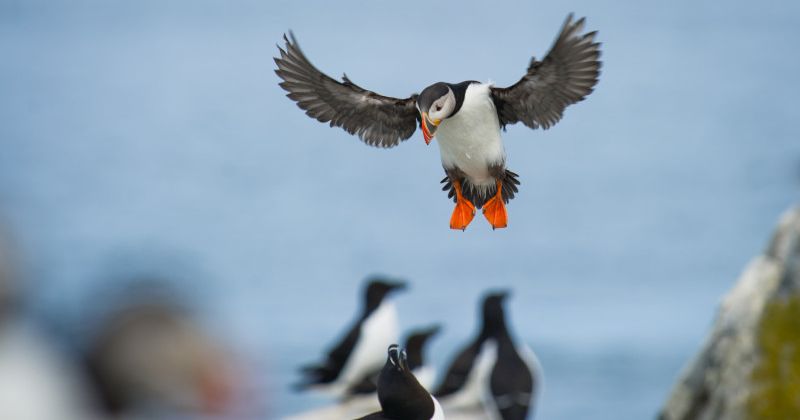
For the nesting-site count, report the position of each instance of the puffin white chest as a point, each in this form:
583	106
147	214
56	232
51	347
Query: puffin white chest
470	139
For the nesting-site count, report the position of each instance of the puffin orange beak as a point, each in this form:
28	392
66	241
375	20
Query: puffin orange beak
426	125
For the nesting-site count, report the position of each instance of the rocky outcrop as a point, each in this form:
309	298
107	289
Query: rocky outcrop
749	368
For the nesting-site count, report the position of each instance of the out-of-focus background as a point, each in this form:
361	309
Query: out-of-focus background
150	140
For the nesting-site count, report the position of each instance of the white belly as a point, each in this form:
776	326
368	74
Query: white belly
425	376
378	332
470	140
438	413
472	395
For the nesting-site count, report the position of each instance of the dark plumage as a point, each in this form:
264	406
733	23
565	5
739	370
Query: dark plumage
400	395
492	322
378	120
511	382
567	75
479	196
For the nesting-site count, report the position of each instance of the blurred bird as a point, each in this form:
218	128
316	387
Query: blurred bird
38	379
400	394
360	351
492	374
466	116
151	361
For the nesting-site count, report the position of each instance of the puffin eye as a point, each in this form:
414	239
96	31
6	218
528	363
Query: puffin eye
438	107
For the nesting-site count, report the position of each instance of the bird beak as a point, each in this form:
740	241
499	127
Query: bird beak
398	358
398	285
426	125
433	330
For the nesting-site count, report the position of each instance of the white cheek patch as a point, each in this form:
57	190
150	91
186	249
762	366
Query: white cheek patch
446	103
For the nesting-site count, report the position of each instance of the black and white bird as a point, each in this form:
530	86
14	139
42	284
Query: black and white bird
466	117
492	374
360	350
361	397
400	394
415	350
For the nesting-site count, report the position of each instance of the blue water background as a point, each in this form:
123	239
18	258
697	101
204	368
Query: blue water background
151	137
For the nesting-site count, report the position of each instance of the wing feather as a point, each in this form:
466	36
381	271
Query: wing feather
378	120
567	75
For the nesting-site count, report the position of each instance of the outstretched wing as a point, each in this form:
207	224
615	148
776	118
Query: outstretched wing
378	120
567	74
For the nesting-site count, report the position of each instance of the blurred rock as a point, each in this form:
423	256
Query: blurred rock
8	292
749	367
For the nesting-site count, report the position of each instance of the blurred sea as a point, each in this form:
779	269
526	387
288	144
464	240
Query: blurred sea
151	137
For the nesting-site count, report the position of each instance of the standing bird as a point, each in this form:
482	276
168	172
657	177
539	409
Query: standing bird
359	351
400	394
415	346
492	374
466	116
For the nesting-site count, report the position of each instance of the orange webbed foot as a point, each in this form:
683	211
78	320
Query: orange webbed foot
494	210
462	214
464	211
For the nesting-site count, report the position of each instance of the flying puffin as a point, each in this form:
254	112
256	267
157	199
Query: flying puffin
360	350
400	394
492	374
466	117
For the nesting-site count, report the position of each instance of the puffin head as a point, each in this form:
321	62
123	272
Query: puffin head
435	103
